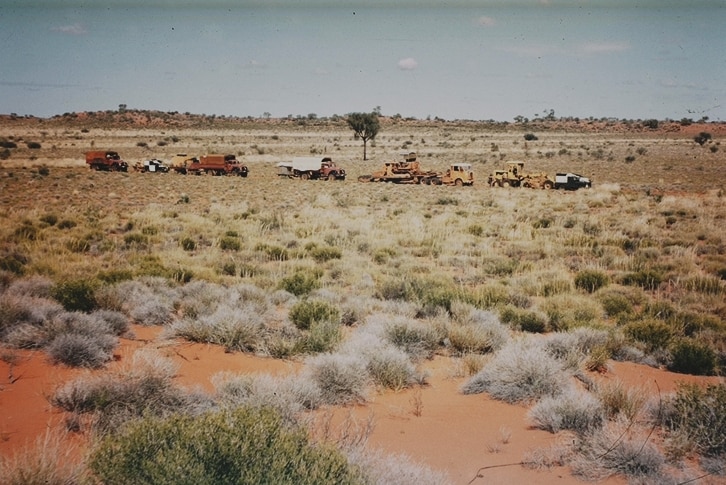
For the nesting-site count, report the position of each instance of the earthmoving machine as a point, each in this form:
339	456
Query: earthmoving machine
180	162
106	160
311	168
217	165
457	174
515	176
407	171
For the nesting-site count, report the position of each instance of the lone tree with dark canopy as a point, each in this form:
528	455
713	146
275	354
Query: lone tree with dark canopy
365	126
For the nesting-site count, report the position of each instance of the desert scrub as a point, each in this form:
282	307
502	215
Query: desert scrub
302	281
690	356
391	368
49	460
418	339
565	312
144	388
573	410
245	445
521	371
325	253
306	312
522	319
651	333
591	280
648	279
696	415
322	336
76	295
342	379
236	328
618	399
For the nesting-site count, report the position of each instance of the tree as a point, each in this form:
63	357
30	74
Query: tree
365	126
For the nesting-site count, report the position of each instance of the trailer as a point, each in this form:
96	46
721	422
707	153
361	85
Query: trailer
217	165
311	168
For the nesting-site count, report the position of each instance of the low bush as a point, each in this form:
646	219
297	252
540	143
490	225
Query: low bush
323	254
524	320
188	244
391	368
229	243
617	399
566	312
576	411
322	336
81	350
301	282
48	461
521	371
653	334
591	280
419	340
306	312
647	279
697	415
76	295
245	445
689	356
342	379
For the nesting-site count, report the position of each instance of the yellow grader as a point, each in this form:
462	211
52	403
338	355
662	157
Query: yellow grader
515	176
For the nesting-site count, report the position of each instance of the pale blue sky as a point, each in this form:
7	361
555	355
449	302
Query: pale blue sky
466	59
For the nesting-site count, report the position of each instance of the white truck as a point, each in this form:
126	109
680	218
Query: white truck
571	181
307	168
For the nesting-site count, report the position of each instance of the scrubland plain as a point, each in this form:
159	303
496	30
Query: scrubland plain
370	332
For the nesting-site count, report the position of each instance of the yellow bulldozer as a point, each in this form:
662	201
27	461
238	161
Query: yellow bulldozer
515	176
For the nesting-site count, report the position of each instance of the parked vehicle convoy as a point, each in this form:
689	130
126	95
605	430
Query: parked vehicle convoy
215	164
311	168
515	176
108	161
153	165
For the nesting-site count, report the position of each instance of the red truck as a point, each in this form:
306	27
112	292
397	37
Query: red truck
107	161
217	165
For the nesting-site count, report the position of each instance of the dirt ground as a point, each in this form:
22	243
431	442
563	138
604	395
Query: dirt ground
437	426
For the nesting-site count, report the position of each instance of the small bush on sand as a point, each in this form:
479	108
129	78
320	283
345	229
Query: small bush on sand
381	468
238	328
322	336
653	334
391	368
524	320
647	279
48	461
576	411
418	339
566	312
697	415
342	379
617	399
617	449
521	371
245	445
81	350
690	356
301	282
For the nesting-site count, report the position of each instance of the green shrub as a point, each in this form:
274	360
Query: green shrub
591	280
50	219
525	320
229	243
136	239
647	279
323	254
416	339
273	253
304	313
301	282
689	356
323	336
246	445
696	415
67	224
14	263
76	295
188	244
33	145
654	334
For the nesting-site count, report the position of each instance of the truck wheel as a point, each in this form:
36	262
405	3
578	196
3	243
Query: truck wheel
505	183
547	185
331	176
459	182
305	176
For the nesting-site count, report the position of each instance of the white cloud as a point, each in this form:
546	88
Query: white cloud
485	21
407	64
75	29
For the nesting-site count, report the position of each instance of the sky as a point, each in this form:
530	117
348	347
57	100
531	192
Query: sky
461	59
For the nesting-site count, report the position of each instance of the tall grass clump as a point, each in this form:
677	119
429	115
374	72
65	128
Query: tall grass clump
48	461
565	312
306	312
240	328
591	280
342	379
614	449
521	371
381	468
391	368
697	415
244	445
573	410
416	338
531	321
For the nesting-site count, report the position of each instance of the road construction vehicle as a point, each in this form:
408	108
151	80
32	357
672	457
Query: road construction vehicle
407	171
457	174
217	165
106	161
515	176
311	168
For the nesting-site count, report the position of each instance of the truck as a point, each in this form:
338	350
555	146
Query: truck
153	165
571	181
407	171
458	174
107	160
311	168
216	164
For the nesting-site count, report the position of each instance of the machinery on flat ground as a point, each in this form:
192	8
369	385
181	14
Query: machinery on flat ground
108	161
515	176
407	171
153	165
217	165
311	168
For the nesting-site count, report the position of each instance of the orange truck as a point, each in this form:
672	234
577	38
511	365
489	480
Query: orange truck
217	165
108	161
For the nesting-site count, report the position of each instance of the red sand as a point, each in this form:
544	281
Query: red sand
436	425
